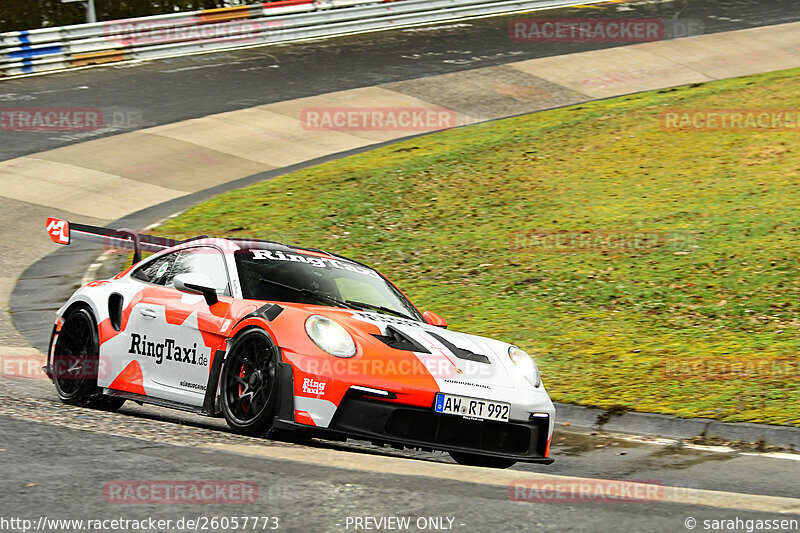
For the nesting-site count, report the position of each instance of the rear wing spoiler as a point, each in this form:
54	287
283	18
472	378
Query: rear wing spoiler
64	232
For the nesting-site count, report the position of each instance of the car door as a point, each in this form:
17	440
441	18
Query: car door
174	334
126	369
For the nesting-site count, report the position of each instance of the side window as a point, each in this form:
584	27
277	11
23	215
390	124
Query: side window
156	271
202	260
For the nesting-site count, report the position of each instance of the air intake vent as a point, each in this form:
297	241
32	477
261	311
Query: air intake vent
398	340
115	310
461	353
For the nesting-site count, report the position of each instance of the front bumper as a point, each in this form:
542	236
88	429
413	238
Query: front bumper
359	416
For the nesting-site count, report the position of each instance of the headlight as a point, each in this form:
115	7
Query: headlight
525	365
330	336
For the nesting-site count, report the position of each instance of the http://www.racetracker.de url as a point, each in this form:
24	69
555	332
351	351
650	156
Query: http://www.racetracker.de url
44	524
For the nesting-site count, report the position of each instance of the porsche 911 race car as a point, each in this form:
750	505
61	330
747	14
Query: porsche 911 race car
283	338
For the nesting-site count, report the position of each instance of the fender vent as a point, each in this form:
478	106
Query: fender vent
115	310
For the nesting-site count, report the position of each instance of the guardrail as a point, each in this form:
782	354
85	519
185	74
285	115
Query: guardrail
47	49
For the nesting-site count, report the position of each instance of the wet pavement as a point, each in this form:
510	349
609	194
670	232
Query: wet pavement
579	452
64	473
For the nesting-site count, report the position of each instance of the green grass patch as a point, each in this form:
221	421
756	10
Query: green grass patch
608	325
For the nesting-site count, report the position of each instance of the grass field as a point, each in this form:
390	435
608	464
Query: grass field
644	269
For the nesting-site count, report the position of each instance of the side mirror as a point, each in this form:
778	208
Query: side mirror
197	284
434	320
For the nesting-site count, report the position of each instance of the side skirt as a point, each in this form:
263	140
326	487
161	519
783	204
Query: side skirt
157	401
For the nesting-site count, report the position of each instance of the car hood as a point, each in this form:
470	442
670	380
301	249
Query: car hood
451	357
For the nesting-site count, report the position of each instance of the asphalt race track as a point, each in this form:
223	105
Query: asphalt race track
69	482
58	461
171	90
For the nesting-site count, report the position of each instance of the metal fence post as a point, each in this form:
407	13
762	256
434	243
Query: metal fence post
91	15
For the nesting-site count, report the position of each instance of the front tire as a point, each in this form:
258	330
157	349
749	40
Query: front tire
472	459
75	363
249	383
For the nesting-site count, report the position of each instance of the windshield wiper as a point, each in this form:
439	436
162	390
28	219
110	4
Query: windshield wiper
350	304
310	294
379	308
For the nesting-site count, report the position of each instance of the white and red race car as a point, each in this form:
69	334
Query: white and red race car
284	338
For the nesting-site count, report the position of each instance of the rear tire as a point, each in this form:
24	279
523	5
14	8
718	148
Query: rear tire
472	459
75	363
249	383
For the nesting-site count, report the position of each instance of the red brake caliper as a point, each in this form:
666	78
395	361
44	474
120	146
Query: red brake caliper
245	403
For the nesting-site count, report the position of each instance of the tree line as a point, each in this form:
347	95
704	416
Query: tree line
18	15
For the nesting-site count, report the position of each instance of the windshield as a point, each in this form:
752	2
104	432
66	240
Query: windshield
278	276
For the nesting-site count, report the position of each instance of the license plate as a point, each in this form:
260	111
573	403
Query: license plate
471	407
